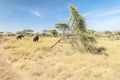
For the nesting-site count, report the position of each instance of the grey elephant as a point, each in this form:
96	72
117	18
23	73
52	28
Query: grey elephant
19	36
35	38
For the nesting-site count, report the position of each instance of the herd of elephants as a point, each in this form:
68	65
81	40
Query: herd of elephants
20	36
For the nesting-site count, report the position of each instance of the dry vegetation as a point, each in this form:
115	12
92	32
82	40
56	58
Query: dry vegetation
26	60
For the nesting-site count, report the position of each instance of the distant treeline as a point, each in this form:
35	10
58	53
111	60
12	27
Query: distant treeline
29	32
56	33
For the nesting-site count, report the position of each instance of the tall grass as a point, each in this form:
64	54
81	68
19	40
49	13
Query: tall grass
36	61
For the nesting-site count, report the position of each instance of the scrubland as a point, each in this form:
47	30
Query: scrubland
27	60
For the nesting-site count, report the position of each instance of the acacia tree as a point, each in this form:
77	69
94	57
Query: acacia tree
62	27
1	34
45	32
117	35
27	32
81	40
85	41
108	34
54	32
19	32
10	34
91	31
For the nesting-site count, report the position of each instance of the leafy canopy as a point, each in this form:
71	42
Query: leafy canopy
85	41
62	27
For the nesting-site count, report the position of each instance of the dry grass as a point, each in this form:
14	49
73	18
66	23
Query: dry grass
35	61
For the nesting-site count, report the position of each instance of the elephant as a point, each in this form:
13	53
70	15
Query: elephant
35	38
19	36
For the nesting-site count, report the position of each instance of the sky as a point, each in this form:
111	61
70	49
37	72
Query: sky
16	15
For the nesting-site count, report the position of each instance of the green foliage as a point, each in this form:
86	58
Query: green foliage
85	40
27	32
54	32
62	27
19	32
77	19
10	34
117	33
38	33
45	32
91	31
107	32
1	34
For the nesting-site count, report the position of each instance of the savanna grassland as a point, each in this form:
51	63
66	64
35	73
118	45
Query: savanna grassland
27	60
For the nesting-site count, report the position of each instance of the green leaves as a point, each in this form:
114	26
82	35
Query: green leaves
27	32
54	32
62	27
78	19
1	34
85	40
